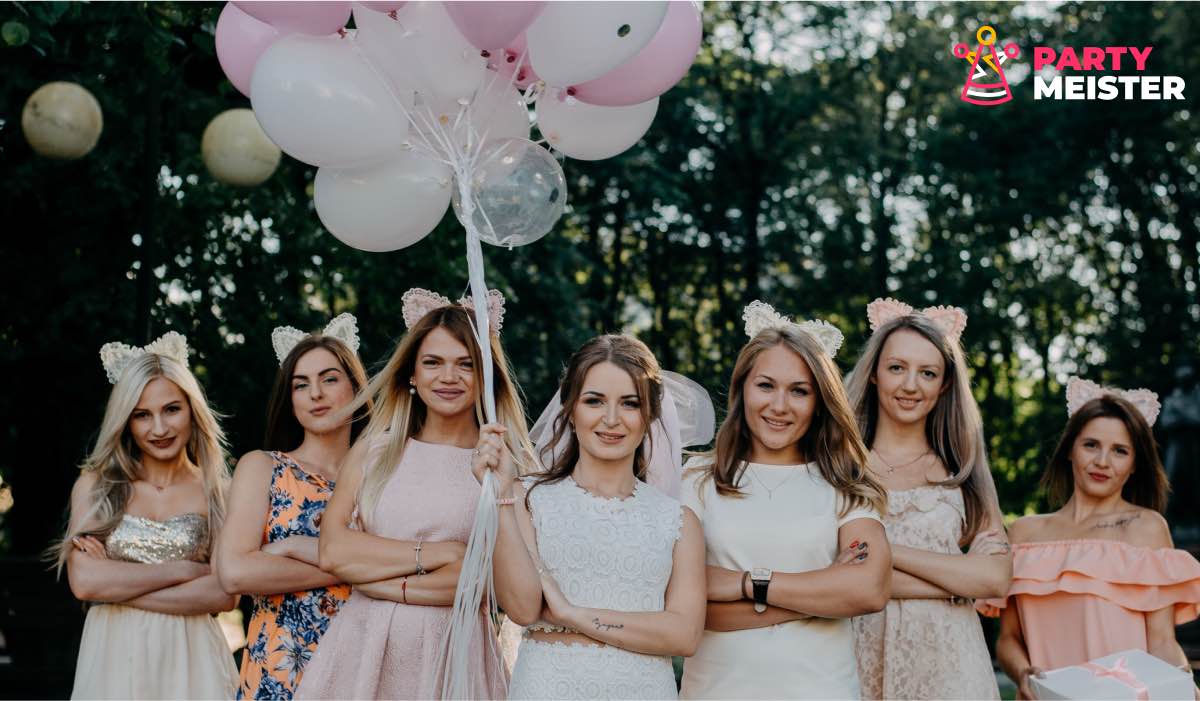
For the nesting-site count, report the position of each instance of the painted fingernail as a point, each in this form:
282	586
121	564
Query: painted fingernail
862	545
862	557
854	545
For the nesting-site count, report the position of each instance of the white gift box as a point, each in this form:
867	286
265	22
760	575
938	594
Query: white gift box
1132	674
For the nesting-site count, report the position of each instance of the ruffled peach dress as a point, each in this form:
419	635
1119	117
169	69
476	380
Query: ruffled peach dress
1083	599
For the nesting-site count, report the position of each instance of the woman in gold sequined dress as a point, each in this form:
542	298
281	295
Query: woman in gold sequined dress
144	514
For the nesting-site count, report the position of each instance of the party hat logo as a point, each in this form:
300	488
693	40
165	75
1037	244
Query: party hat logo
986	84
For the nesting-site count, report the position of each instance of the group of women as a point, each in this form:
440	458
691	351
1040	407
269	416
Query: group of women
349	528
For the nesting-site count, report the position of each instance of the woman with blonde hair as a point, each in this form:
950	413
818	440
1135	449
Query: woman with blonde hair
144	514
1100	574
786	574
397	524
277	503
912	398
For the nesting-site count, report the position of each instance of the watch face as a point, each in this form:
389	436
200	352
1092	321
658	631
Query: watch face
760	573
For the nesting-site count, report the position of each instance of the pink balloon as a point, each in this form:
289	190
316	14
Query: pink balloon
654	69
317	18
488	25
514	58
382	6
241	39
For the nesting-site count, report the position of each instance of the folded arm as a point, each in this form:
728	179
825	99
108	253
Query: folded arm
245	566
200	595
676	630
357	557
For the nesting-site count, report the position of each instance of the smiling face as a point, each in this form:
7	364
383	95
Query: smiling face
444	374
608	415
320	387
909	377
1102	457
779	398
161	423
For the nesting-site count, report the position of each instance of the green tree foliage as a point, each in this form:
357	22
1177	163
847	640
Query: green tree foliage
815	156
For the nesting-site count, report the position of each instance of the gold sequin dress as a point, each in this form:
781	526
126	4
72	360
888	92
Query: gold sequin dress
129	653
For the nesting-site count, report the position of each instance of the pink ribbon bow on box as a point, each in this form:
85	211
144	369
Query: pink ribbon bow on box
1122	674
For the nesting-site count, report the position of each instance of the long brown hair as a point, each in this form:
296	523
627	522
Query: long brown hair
396	415
627	353
1147	485
831	441
954	429
284	432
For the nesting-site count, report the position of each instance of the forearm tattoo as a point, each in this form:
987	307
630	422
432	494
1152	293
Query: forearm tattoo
606	626
1117	522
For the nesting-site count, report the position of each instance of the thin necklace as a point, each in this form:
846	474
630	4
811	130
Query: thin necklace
770	490
892	468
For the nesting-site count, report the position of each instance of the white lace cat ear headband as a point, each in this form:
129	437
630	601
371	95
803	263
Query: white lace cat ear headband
760	316
950	320
343	327
117	356
1081	391
417	302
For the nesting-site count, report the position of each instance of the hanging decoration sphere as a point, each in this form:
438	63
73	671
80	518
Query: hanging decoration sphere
519	193
237	151
62	120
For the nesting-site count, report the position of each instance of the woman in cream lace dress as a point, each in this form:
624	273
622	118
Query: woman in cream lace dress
913	402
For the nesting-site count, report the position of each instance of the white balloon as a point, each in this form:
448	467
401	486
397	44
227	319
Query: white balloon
236	151
499	111
591	132
574	42
383	207
424	48
318	99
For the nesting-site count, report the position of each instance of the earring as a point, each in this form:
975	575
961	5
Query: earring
412	386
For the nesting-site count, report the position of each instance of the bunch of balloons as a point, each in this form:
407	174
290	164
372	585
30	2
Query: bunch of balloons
424	103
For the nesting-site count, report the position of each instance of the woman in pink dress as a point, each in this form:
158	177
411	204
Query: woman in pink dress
1099	575
397	524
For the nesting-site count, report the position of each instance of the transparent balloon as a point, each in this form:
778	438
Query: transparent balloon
519	193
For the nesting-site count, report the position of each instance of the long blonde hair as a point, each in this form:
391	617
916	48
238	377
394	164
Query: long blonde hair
954	428
397	415
831	441
116	458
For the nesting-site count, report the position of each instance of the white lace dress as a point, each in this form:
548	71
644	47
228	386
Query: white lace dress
608	554
924	648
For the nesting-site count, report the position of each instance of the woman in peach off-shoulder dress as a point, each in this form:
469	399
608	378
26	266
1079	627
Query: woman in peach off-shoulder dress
1100	575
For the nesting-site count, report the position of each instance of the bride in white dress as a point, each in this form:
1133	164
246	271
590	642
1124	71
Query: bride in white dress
606	570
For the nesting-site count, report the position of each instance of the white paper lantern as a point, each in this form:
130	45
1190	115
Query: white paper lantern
62	120
237	151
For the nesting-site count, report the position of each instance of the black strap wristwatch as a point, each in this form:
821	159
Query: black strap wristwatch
760	578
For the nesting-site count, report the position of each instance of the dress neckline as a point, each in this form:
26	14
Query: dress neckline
295	464
167	520
637	486
446	446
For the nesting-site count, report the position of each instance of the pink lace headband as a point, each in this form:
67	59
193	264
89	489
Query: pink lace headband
1081	391
417	302
950	320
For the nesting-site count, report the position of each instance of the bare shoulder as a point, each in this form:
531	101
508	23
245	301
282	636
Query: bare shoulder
1147	528
255	460
1030	528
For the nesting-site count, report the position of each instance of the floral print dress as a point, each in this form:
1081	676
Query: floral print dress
285	628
